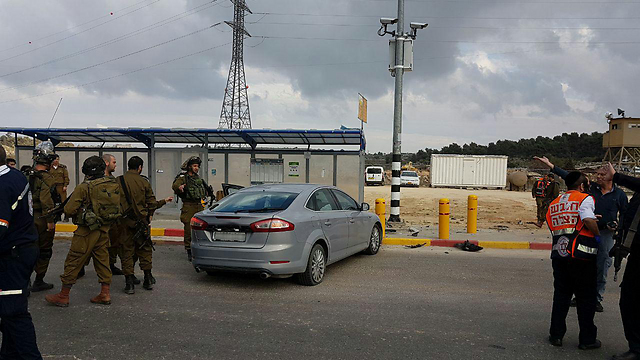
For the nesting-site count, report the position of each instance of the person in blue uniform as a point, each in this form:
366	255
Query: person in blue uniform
18	255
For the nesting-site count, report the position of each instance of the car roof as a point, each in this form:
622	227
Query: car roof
295	188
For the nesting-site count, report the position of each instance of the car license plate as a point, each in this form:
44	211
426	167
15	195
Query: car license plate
410	183
230	236
371	178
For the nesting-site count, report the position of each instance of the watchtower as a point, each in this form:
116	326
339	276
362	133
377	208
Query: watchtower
622	141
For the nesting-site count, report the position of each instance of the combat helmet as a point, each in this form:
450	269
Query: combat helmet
190	161
44	153
94	166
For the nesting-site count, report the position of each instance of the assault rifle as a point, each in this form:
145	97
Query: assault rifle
142	233
623	243
57	210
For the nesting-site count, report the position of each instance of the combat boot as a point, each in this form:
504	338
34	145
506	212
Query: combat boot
136	281
115	270
149	280
129	287
104	297
189	257
61	299
40	285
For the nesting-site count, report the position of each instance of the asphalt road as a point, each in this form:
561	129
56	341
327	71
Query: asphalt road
428	303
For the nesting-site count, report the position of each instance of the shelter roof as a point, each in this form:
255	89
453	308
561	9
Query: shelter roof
149	136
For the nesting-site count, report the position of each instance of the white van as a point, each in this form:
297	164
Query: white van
374	175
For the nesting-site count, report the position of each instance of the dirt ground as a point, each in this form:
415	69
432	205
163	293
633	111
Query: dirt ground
419	206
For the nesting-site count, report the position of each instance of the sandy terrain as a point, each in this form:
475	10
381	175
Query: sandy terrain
419	206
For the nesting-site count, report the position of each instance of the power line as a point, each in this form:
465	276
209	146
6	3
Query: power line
455	41
453	27
500	1
449	17
122	37
107	61
115	76
78	33
73	27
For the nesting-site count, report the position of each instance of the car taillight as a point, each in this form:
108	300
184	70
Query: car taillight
272	225
198	224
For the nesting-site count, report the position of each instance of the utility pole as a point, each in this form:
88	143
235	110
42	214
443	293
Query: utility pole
402	54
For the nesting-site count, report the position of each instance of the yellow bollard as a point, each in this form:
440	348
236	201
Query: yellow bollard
443	220
381	209
472	214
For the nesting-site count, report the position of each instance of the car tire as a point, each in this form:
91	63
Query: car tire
375	241
316	267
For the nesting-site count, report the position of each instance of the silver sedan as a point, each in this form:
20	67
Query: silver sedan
282	230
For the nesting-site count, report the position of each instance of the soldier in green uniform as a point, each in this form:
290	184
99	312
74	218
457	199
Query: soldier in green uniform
60	176
192	190
94	206
43	193
138	204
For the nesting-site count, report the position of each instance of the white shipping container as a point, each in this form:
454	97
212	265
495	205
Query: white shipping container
488	171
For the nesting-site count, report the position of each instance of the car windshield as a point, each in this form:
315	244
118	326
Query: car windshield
409	173
374	171
256	201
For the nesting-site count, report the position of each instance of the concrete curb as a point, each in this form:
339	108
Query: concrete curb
162	232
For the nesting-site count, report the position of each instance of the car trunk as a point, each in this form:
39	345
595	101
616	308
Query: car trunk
232	230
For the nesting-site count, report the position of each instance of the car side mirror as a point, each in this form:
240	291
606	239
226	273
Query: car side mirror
365	207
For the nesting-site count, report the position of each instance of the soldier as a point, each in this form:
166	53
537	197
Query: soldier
138	204
43	192
60	176
192	190
94	207
115	249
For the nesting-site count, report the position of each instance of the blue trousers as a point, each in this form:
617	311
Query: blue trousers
18	333
604	261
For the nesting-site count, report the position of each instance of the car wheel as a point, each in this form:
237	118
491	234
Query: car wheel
374	241
316	267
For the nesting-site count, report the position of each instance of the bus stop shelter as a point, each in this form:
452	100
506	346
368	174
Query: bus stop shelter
242	157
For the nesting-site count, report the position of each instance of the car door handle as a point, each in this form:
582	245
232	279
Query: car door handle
328	223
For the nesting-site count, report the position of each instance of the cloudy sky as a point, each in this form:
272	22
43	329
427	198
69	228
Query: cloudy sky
484	69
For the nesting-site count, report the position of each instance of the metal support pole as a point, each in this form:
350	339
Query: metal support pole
152	163
396	163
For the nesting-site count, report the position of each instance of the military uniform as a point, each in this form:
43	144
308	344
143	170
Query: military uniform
194	192
94	206
60	177
136	212
41	184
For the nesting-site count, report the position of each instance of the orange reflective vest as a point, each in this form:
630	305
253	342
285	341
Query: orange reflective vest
570	237
541	187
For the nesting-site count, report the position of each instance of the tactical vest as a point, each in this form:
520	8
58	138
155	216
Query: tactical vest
541	186
570	237
35	184
104	206
194	188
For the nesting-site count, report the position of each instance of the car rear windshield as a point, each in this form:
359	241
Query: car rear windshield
374	171
255	201
409	173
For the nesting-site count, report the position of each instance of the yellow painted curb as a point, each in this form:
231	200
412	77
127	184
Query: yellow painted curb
504	244
401	241
66	227
157	231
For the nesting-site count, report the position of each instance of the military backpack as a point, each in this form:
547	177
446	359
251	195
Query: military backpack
104	207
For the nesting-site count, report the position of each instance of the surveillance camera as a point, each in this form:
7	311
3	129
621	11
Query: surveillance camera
418	26
608	115
388	21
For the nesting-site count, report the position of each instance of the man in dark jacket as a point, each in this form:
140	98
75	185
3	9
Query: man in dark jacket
18	255
630	287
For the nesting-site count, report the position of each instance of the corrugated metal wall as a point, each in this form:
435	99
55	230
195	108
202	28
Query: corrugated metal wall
468	170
